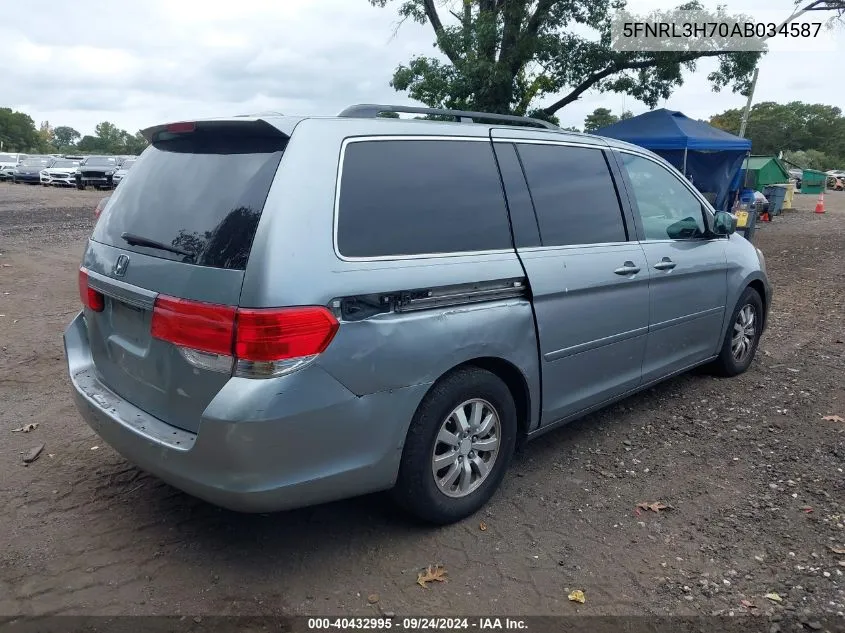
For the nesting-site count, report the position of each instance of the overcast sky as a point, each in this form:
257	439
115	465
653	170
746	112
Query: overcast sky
139	63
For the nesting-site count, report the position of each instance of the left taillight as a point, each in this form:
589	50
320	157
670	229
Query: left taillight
90	298
256	343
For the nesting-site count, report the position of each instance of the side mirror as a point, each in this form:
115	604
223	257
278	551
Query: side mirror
724	223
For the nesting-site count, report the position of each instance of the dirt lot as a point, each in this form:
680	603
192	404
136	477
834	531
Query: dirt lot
753	473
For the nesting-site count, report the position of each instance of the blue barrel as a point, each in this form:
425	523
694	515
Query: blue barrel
776	196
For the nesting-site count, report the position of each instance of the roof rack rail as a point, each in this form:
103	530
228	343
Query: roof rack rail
372	110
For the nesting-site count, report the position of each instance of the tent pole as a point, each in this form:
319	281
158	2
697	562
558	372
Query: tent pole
685	162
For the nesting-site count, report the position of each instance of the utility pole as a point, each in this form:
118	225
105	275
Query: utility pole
748	103
815	5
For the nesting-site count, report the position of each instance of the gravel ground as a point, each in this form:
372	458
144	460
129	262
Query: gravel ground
751	470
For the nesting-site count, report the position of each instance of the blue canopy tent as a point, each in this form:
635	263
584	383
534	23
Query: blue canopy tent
709	157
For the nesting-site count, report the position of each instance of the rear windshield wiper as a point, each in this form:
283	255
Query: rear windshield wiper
137	240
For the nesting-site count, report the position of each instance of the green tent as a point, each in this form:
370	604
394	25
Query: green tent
761	171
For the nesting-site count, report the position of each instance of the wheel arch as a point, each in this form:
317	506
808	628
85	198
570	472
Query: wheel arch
514	379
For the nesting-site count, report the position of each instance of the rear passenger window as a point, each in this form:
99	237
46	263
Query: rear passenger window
420	197
574	195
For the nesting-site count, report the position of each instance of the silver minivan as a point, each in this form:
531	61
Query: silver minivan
282	311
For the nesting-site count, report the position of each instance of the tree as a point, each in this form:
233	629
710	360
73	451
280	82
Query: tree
65	137
18	132
92	145
110	135
504	55
774	127
626	114
601	117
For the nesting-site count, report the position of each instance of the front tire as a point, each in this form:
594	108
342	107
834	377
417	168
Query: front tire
742	337
458	447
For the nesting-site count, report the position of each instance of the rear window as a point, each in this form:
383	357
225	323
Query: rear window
197	196
400	198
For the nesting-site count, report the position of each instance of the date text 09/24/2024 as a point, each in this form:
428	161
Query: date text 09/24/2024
416	624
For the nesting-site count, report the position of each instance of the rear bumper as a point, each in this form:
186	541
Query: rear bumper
262	445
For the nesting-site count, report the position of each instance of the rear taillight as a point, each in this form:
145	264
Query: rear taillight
205	327
90	298
258	343
273	335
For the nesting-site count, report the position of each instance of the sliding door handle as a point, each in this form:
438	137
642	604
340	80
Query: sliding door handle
628	268
665	264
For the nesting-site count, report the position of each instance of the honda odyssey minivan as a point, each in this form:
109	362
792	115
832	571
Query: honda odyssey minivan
281	311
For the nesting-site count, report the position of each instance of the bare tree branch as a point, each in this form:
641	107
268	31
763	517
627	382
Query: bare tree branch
593	79
437	25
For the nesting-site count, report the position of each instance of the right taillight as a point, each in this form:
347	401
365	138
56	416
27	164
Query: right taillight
90	298
257	343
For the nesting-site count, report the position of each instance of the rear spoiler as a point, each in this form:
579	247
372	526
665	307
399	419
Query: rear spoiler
275	126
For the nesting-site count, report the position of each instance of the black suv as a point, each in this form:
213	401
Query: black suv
97	171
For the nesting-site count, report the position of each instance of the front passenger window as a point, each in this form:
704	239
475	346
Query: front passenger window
668	210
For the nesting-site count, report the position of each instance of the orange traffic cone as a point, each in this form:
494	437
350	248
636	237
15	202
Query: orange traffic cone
820	203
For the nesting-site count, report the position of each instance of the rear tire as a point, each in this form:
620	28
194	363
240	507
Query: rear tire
467	426
80	187
742	337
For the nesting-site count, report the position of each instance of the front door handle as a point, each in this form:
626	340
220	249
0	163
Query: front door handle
628	268
665	264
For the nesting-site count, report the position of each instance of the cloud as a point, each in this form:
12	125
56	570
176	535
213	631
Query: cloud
141	63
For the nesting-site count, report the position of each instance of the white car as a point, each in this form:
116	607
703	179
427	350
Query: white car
8	162
120	174
61	173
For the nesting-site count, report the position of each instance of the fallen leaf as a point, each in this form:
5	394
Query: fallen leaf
748	604
837	550
482	526
433	573
372	598
842	563
95	448
637	512
833	418
773	597
33	454
577	596
655	506
808	510
26	428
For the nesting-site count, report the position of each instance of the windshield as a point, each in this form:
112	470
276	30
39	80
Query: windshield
128	164
36	162
8	158
101	160
66	163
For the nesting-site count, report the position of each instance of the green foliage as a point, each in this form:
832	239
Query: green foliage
792	127
601	117
18	132
65	138
505	55
812	159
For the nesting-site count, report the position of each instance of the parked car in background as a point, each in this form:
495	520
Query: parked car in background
8	162
97	172
120	174
30	168
61	173
393	304
796	175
